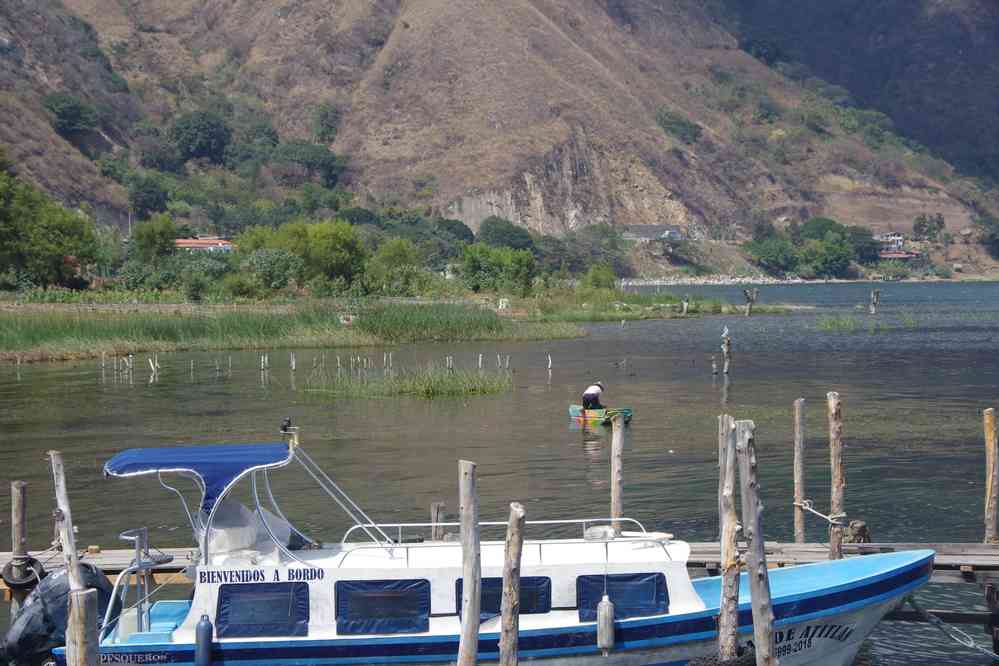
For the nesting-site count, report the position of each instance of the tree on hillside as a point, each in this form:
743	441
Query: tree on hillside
70	114
928	227
316	159
817	228
42	242
500	232
155	238
326	122
866	249
395	268
829	258
147	194
335	251
6	164
775	253
456	229
201	134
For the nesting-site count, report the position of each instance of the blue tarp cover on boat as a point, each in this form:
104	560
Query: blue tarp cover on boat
382	606
535	596
249	610
216	465
634	595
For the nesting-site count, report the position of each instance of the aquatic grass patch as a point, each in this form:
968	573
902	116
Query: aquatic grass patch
837	323
603	305
61	334
428	383
433	321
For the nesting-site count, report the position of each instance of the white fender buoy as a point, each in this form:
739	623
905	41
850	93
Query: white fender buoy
605	625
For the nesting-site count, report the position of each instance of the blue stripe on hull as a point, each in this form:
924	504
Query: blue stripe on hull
636	634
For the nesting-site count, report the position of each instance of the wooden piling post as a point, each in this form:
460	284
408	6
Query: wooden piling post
726	349
437	517
875	301
510	606
728	614
685	305
838	484
799	470
18	539
64	522
756	558
751	296
81	630
617	470
991	477
471	569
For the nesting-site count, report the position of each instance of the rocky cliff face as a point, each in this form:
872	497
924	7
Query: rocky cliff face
548	112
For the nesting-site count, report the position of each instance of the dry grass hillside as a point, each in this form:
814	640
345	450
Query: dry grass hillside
548	112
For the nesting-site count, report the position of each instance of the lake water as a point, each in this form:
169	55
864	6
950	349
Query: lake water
913	380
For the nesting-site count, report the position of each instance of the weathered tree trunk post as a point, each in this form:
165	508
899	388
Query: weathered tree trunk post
751	296
81	631
510	606
991	477
875	301
18	539
617	470
726	348
838	485
685	304
471	570
436	517
799	470
728	614
756	558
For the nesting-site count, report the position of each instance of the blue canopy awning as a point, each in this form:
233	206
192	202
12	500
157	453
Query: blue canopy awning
215	465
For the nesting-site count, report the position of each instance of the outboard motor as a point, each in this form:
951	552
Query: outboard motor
40	625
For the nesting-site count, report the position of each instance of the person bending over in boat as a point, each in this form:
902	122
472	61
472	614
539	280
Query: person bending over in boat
591	396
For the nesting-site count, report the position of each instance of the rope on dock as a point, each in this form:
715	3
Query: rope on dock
835	519
955	634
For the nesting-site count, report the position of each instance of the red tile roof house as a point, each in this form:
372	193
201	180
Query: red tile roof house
204	245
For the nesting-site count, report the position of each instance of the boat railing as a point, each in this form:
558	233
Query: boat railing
584	522
651	542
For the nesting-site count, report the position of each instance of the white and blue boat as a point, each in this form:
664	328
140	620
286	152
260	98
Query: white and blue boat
382	595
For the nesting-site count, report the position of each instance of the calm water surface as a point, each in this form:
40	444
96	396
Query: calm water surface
913	381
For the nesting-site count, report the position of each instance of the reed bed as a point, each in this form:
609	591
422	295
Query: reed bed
429	383
31	334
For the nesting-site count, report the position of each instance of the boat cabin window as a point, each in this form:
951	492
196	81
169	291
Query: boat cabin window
535	595
262	609
634	595
382	606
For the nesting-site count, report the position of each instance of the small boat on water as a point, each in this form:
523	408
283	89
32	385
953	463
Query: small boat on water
602	416
267	593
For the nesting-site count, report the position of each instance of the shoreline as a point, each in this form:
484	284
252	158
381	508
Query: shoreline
763	281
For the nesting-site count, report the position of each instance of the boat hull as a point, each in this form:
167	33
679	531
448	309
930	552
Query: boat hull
599	416
817	621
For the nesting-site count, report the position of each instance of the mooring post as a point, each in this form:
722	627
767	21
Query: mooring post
875	301
64	522
617	470
471	569
437	517
81	630
756	558
510	606
685	304
991	477
726	349
728	613
18	539
751	296
836	511
799	470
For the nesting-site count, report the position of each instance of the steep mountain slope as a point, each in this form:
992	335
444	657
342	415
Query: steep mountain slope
932	65
554	113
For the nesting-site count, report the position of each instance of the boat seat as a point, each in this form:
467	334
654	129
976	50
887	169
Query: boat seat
165	616
150	637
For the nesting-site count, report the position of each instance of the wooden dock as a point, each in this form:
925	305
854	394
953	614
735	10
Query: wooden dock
955	562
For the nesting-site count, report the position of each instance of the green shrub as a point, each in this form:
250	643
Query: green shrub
201	134
443	322
500	232
678	126
147	194
195	285
242	285
70	114
155	238
326	122
600	276
275	268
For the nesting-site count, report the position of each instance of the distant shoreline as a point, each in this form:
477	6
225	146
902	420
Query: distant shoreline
732	281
